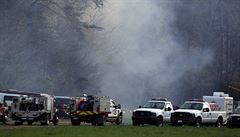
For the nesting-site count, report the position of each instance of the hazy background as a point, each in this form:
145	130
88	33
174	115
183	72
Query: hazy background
131	50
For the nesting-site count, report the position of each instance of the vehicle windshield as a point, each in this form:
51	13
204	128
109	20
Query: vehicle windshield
157	105
237	110
195	106
62	103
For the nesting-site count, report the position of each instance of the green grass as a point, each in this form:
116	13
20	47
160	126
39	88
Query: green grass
116	131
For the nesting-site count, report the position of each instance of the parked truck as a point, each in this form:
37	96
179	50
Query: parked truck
155	112
198	111
95	110
34	109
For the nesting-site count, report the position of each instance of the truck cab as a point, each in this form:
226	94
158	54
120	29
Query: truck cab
155	112
198	112
115	115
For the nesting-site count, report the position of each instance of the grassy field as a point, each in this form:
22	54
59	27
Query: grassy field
115	131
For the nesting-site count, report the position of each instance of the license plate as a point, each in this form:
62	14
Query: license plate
24	118
179	121
75	118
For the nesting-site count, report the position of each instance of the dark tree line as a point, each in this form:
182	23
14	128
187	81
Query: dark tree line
214	25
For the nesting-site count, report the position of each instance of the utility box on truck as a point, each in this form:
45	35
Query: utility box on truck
223	100
34	109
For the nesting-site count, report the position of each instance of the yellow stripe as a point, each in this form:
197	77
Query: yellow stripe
86	113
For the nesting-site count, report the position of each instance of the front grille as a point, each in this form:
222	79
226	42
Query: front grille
143	114
235	118
181	115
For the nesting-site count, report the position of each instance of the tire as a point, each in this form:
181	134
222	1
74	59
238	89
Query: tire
29	122
119	120
219	123
159	121
55	122
46	121
101	121
198	122
4	120
55	119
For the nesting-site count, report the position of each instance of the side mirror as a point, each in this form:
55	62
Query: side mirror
206	110
168	109
140	107
119	106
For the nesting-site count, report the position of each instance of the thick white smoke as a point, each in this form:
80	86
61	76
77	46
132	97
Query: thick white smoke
138	55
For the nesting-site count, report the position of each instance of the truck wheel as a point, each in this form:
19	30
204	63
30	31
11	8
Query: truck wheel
55	119
4	120
101	121
46	121
159	121
198	122
219	123
55	122
29	122
119	120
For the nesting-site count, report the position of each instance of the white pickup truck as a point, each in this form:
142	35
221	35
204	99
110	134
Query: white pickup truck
155	112
199	112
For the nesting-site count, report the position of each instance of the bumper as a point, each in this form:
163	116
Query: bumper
30	118
233	124
86	118
183	121
144	120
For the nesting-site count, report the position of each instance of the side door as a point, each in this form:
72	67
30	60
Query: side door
167	112
113	109
206	114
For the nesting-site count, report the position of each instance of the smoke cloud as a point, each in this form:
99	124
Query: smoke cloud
131	50
139	55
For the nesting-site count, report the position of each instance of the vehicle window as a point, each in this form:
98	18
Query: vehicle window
62	103
167	105
157	105
237	110
196	106
112	103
